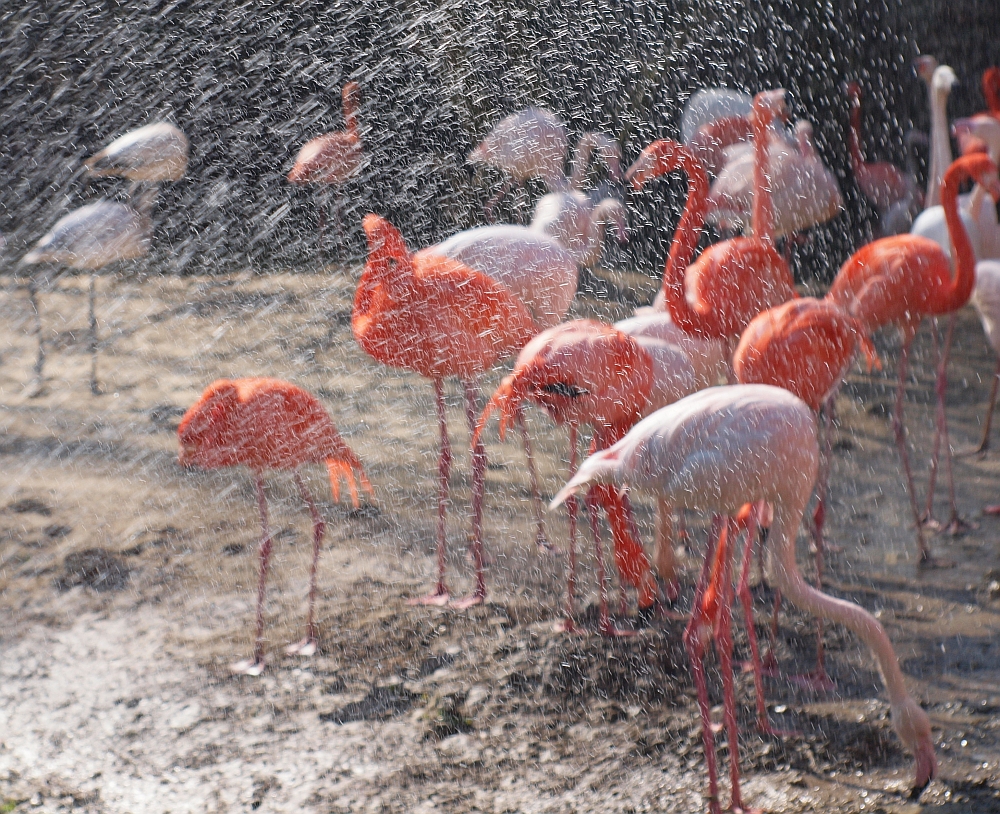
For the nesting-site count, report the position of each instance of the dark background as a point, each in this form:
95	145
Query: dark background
250	82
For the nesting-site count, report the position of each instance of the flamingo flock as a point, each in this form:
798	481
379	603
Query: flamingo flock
712	399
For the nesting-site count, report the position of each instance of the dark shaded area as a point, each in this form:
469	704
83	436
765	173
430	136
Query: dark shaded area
95	568
250	84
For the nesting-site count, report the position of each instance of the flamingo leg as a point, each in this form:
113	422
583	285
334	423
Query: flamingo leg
604	625
38	380
984	444
536	494
665	556
95	388
568	624
478	596
321	205
769	666
694	637
256	665
310	644
924	556
440	595
956	525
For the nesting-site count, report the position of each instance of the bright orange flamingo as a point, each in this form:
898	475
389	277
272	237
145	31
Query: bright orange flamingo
991	90
732	281
269	424
587	372
805	346
439	318
900	280
333	158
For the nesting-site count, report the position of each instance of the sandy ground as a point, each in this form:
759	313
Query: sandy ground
114	689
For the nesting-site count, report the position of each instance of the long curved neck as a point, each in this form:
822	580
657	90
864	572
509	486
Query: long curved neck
684	244
940	146
964	256
581	161
350	104
784	575
762	215
854	134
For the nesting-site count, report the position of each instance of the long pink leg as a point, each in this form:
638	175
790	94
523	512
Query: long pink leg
478	596
695	635
440	595
568	624
310	644
665	556
924	556
255	666
769	666
984	444
39	381
724	647
536	494
604	622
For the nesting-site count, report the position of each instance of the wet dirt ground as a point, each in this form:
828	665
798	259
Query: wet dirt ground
127	587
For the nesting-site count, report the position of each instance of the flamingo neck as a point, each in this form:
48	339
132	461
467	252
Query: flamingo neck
684	244
854	135
762	215
350	113
991	89
581	161
940	146
962	253
784	575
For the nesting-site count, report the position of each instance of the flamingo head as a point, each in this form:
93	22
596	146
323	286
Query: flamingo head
660	158
943	80
925	66
579	372
774	102
387	252
208	431
984	170
982	128
914	729
853	90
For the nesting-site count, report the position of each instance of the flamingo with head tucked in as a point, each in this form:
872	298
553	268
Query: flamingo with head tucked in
151	154
269	424
437	317
715	451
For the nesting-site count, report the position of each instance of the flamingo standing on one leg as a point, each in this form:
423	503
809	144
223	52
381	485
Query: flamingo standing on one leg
587	372
440	318
269	424
900	280
733	281
715	451
90	238
334	158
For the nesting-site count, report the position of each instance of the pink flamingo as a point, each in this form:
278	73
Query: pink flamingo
715	451
269	424
334	158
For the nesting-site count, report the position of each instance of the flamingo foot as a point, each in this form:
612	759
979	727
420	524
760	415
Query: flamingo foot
993	510
766	728
769	666
249	667
470	601
307	647
608	629
928	560
973	452
958	526
440	597
817	681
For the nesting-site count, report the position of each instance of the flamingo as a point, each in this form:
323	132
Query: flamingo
888	188
803	190
733	281
805	346
435	316
151	154
707	106
269	424
902	279
334	158
88	239
991	90
715	451
588	372
579	224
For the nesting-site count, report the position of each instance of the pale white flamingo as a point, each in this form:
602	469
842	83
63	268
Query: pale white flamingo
579	224
88	239
715	451
151	154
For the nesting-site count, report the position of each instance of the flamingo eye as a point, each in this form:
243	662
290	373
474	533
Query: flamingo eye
564	389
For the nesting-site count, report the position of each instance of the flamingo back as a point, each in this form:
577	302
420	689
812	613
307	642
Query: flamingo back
94	236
